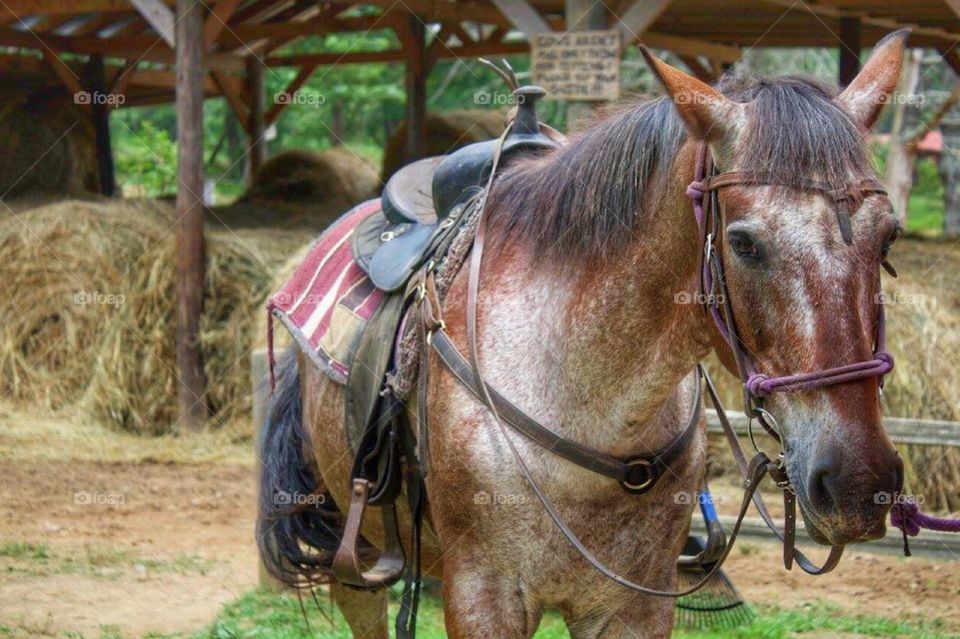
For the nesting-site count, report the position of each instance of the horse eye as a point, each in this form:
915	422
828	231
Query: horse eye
743	245
889	242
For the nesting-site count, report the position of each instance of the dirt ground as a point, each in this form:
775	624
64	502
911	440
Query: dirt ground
148	548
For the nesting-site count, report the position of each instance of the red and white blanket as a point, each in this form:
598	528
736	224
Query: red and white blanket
329	299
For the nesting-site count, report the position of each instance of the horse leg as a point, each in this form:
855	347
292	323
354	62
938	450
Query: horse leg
365	612
479	603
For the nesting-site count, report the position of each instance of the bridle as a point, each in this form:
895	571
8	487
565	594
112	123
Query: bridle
639	474
705	190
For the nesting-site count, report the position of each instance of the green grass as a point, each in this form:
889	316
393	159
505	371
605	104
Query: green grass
926	213
263	614
37	559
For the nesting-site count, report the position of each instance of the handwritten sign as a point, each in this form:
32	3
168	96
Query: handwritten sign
577	65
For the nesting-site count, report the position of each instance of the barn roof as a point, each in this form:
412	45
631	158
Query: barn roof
47	39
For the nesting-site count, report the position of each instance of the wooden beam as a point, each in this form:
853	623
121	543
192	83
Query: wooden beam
217	20
639	17
159	16
698	69
18	9
97	82
256	123
415	82
121	79
233	91
951	57
523	16
191	388
279	106
849	49
689	46
67	75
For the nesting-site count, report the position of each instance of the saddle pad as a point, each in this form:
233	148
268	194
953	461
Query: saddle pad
329	300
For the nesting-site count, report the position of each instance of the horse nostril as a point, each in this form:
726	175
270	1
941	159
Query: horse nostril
820	489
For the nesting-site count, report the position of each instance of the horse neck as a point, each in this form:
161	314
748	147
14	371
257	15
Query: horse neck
601	346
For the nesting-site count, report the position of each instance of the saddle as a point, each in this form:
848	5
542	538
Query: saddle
428	195
423	206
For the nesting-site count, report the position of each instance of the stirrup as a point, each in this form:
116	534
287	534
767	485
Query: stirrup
346	563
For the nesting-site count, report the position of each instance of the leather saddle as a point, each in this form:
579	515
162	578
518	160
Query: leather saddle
428	194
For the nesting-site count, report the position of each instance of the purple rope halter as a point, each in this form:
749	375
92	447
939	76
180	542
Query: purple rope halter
759	385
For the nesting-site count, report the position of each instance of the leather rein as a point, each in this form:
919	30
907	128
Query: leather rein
639	474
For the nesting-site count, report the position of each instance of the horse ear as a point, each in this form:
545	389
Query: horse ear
871	89
708	114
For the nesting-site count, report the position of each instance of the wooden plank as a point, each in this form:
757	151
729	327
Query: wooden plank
217	20
689	46
159	16
97	81
257	128
698	69
639	17
121	78
919	432
191	388
951	57
279	106
849	49
523	16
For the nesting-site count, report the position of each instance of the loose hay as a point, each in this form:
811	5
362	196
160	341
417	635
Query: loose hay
447	131
63	278
134	381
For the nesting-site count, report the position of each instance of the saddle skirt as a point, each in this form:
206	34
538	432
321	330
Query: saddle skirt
329	300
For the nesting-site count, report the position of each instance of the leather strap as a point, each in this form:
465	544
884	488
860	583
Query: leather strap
638	474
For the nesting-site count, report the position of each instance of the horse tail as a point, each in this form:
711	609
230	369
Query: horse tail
298	524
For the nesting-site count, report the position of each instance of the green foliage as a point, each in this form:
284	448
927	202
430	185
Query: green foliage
146	157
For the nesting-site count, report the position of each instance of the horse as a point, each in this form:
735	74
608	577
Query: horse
584	318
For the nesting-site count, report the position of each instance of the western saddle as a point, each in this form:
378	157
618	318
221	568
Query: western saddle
424	206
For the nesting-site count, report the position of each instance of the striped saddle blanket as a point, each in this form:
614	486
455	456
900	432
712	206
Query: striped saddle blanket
329	300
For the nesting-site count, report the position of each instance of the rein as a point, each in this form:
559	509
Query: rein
639	474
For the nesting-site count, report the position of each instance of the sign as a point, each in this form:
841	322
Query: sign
577	65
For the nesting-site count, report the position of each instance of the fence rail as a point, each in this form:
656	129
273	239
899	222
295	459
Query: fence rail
902	430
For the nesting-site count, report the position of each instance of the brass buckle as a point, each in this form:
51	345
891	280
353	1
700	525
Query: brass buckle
645	484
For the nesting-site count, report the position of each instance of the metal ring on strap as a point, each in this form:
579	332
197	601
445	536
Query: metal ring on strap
635	484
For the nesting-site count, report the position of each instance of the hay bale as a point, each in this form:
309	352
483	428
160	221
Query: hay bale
134	379
301	190
63	278
446	131
49	147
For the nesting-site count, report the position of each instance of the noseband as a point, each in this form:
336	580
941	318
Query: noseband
704	192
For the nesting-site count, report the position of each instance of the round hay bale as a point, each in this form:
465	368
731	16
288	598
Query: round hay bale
305	177
447	131
301	190
134	380
49	147
63	278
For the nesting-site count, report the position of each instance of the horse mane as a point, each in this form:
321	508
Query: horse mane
587	198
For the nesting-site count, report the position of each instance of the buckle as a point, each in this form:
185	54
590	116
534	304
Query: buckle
635	484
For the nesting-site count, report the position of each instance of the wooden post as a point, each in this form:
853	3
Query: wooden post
191	391
849	49
415	82
100	109
901	157
583	15
256	129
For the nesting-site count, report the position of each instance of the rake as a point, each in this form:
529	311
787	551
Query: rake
717	605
